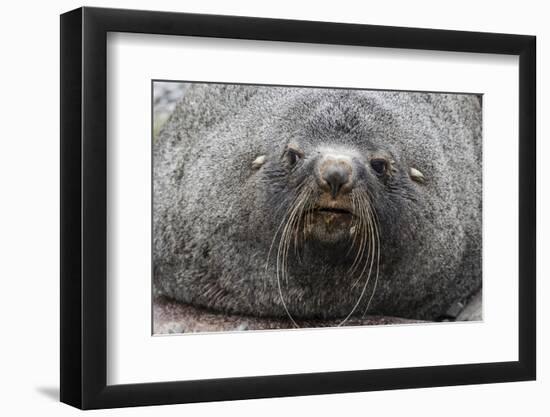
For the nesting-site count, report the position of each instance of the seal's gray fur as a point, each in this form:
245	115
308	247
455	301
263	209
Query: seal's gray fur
216	215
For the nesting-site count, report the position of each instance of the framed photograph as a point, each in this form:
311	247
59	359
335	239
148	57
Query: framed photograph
258	208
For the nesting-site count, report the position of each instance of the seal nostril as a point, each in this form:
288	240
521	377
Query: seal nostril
335	176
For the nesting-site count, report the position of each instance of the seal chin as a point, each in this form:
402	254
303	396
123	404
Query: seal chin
330	225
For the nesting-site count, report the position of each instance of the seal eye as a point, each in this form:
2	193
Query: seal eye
293	154
379	165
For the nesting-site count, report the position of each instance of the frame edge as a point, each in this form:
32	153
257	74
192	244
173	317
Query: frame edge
527	208
83	213
70	204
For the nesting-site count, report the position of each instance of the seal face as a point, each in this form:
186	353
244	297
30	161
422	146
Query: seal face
311	203
324	211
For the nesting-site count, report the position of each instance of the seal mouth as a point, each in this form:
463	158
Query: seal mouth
334	210
329	222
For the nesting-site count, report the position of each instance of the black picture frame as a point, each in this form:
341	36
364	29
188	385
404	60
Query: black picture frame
84	194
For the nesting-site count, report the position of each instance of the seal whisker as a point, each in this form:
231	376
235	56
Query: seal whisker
367	236
291	225
375	244
364	232
284	219
376	226
369	232
300	219
281	272
365	285
283	222
282	297
286	235
286	238
354	222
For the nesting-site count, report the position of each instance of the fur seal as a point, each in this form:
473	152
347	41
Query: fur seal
318	204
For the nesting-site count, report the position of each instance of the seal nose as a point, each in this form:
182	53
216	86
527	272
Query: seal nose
335	175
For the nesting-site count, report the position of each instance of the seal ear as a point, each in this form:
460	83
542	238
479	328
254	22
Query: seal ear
258	162
417	176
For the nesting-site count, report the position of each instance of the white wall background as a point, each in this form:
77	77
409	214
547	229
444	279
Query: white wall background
29	209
